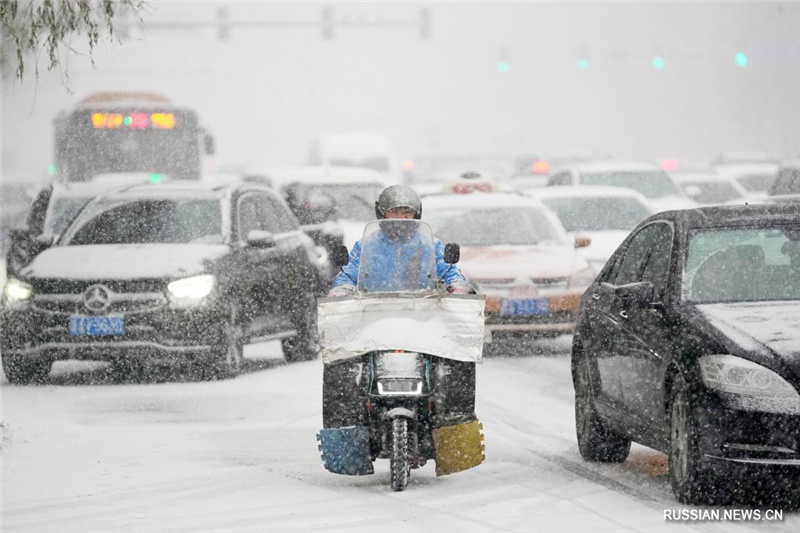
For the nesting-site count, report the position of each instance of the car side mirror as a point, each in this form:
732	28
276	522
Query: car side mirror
635	295
260	239
452	253
208	144
582	241
339	255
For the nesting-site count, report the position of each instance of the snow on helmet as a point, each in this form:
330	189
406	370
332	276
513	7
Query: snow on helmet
398	196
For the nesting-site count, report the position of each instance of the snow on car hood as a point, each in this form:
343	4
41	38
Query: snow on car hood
762	327
123	261
503	262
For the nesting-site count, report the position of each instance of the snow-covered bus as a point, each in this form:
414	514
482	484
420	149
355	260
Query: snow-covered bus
124	132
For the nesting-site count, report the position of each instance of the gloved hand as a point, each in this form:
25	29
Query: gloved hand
342	291
458	288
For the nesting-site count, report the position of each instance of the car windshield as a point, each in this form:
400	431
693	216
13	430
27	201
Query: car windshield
652	184
342	201
710	192
494	226
743	264
756	182
63	211
378	163
152	221
598	214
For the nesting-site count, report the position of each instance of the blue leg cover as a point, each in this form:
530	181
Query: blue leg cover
346	450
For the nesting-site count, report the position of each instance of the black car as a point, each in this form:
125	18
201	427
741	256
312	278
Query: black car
181	270
688	342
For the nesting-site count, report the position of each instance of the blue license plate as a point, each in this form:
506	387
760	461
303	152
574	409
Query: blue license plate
93	326
526	307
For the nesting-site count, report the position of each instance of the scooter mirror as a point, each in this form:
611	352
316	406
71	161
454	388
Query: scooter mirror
339	255
452	253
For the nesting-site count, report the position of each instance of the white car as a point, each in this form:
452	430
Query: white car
708	188
606	215
756	178
515	252
644	177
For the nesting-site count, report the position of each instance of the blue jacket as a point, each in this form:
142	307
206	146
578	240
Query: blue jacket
384	275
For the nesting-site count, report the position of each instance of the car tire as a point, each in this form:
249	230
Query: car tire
227	356
691	478
303	346
23	370
596	442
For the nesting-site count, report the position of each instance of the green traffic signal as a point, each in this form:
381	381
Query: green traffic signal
582	64
741	59
658	62
503	67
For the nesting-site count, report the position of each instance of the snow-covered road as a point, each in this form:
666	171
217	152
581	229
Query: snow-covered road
85	454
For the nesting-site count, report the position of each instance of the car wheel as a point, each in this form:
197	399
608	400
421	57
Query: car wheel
596	441
303	346
692	481
22	370
227	355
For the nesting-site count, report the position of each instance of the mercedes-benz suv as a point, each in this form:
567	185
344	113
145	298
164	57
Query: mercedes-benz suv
179	270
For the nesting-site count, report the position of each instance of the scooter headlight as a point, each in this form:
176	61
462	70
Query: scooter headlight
400	387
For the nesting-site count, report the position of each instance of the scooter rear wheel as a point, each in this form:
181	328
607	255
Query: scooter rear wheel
400	461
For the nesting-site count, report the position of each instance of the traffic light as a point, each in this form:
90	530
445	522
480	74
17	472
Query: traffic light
503	67
741	59
327	23
582	64
659	62
424	23
223	23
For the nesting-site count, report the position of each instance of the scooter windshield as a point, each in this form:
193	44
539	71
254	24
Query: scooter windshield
397	256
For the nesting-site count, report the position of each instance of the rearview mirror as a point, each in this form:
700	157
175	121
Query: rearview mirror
208	144
452	253
260	239
339	255
635	295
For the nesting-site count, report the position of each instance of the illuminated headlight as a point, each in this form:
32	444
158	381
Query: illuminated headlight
17	292
582	278
191	291
398	387
756	387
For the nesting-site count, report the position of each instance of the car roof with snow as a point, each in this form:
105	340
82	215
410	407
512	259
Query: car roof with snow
707	176
584	191
610	165
732	215
478	200
324	175
740	169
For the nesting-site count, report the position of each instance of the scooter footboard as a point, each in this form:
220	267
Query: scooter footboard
346	450
458	447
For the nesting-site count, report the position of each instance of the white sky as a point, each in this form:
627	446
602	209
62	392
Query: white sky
266	93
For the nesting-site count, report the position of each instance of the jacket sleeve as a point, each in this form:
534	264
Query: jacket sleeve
450	274
349	273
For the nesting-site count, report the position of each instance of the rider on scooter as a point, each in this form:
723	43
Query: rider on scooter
397	202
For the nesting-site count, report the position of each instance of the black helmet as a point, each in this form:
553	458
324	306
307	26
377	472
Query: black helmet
398	196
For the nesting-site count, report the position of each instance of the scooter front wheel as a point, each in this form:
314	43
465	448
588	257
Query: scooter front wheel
400	461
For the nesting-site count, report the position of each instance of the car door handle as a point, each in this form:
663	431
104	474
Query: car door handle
623	314
595	296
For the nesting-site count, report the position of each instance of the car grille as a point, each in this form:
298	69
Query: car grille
52	286
121	303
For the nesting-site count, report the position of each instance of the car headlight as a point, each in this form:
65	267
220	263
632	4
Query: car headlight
582	278
191	291
756	388
16	292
